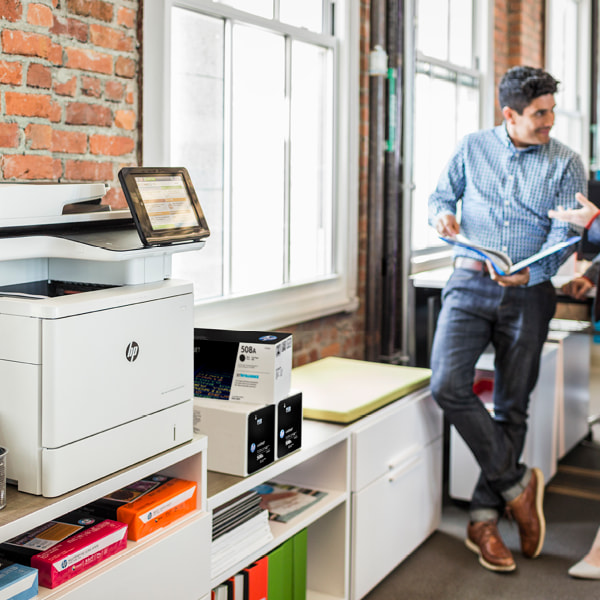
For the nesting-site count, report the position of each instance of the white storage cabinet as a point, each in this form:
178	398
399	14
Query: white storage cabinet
396	486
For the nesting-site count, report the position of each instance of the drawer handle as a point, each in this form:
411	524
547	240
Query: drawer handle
400	459
413	462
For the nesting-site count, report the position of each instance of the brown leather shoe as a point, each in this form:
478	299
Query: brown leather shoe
528	511
484	539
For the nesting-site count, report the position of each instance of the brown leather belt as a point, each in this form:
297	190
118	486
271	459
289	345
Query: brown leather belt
462	262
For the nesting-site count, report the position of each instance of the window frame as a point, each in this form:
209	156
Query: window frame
583	82
292	303
435	256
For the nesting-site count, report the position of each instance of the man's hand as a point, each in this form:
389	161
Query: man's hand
578	216
577	288
447	226
519	278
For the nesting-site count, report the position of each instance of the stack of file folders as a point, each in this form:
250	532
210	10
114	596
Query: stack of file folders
239	528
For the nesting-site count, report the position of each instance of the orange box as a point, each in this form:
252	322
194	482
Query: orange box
159	507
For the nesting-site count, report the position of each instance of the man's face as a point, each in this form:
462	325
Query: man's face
534	125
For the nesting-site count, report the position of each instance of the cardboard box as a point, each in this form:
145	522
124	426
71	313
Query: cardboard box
246	366
241	435
289	424
24	547
17	582
79	552
158	508
148	504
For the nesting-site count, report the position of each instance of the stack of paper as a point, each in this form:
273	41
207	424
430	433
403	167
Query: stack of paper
240	527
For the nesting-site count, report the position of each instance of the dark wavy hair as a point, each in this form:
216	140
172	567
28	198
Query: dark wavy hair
520	85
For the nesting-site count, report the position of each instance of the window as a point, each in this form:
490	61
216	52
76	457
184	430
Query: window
259	100
447	98
567	59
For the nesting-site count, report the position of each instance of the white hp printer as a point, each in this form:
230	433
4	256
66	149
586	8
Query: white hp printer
96	342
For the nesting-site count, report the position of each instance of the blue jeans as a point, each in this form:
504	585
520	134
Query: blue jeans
475	312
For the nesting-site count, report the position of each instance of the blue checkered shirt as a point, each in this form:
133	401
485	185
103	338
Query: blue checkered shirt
505	194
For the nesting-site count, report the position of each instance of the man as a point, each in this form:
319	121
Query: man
506	180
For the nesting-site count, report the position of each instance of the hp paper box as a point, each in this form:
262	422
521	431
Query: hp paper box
248	366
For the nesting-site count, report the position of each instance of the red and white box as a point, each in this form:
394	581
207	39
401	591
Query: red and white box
78	553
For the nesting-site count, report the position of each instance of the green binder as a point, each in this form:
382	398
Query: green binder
281	571
299	542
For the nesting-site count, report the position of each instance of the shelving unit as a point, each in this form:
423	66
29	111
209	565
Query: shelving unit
181	549
333	458
400	443
322	463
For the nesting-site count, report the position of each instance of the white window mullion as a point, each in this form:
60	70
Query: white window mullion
288	159
227	150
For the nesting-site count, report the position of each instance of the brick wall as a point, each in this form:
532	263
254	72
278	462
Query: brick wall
518	37
68	90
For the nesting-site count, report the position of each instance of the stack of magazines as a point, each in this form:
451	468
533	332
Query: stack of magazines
239	527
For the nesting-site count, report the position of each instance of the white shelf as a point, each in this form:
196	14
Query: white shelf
283	531
80	585
182	548
317	436
323	463
26	511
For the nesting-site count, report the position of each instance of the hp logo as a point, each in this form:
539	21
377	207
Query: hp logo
132	351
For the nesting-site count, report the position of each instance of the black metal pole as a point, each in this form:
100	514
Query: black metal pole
376	169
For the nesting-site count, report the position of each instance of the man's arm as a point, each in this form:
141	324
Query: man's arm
449	190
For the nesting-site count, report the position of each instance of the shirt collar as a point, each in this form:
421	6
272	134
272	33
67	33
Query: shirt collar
503	136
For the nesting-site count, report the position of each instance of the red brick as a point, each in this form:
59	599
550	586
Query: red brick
91	86
114	90
17	166
11	10
55	113
38	14
89	60
38	136
11	72
125	67
31	44
85	170
103	11
125	119
39	76
107	37
71	28
9	135
27	105
111	145
66	88
126	17
79	113
70	142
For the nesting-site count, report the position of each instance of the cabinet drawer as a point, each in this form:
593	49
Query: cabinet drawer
389	436
393	515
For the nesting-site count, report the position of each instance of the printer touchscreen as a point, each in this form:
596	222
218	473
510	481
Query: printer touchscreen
163	204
